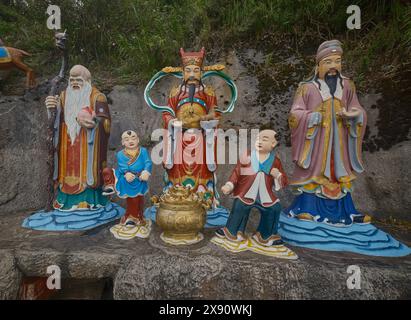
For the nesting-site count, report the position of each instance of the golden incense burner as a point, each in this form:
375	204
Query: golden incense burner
181	215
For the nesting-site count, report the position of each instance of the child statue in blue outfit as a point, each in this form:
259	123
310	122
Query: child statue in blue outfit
129	181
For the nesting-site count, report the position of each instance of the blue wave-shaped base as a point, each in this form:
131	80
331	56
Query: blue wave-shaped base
215	218
359	238
73	220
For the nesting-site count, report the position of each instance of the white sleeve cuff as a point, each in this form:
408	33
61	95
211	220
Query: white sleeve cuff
277	182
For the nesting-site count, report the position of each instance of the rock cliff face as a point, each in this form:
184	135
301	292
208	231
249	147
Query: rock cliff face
381	191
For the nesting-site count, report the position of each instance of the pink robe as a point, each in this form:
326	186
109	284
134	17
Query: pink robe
327	154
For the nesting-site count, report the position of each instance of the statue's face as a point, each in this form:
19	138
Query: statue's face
129	140
76	82
329	65
60	39
266	141
192	74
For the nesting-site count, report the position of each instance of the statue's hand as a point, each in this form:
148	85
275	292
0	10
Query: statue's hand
355	112
130	177
51	102
275	173
227	189
177	123
209	116
86	123
144	175
86	118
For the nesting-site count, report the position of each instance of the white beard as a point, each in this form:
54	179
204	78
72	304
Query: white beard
74	102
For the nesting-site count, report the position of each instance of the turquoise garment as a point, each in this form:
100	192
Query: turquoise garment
197	100
92	197
262	166
269	216
136	187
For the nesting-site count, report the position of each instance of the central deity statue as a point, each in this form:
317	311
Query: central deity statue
190	119
195	107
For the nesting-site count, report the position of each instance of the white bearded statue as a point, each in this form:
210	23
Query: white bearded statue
77	99
83	129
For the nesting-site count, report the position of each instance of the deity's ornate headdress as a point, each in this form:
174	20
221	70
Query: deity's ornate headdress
192	58
197	59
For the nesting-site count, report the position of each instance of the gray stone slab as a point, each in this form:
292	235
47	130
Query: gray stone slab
150	269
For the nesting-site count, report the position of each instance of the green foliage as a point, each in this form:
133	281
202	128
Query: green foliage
129	40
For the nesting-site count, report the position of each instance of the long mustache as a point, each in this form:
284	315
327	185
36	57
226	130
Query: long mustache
329	75
334	70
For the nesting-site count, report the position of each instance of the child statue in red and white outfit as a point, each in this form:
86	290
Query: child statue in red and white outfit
256	177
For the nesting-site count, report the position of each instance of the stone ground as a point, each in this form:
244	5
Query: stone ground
150	269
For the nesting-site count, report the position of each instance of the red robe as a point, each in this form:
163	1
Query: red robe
243	177
193	146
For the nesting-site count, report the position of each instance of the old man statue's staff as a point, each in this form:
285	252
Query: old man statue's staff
60	39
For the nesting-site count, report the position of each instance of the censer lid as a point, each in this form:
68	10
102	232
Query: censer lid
182	195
